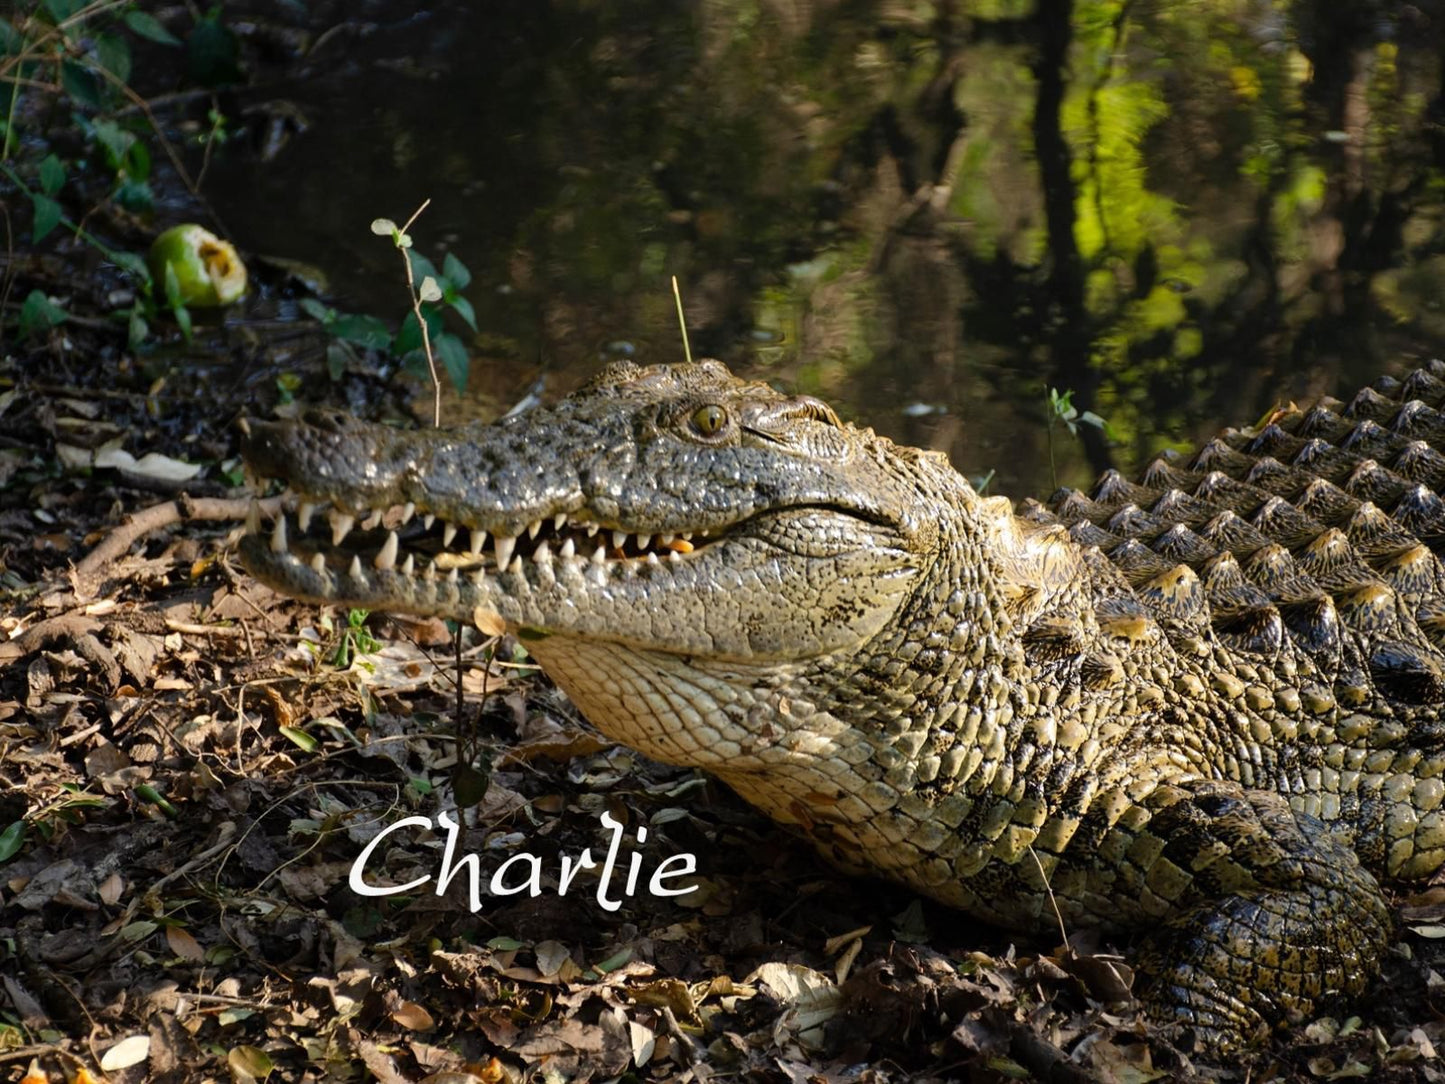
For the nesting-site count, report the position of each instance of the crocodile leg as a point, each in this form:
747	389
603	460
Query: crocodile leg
1296	922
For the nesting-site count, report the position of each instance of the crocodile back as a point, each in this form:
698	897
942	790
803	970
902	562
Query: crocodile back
1316	535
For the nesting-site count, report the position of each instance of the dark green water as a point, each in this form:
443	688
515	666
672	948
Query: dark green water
927	213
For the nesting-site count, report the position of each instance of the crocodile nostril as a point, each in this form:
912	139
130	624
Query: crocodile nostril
330	421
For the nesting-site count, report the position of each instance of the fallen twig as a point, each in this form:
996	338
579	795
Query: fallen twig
150	519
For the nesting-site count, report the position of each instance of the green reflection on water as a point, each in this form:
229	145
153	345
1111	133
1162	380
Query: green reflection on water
929	213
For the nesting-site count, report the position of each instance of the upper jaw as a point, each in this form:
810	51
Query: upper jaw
576	525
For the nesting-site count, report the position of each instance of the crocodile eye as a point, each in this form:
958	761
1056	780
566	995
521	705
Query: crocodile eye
709	420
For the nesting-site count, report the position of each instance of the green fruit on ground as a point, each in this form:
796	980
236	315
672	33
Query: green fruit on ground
208	271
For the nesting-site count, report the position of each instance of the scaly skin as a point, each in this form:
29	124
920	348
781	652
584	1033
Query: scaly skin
1205	706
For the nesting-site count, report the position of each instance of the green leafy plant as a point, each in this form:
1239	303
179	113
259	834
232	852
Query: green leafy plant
355	640
348	331
439	291
50	819
1062	412
422	337
79	53
428	300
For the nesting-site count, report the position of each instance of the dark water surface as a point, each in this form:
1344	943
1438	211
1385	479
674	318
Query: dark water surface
926	213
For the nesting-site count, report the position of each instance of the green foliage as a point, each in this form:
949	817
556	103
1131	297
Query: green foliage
129	160
82	54
47	212
87	54
368	332
147	27
1062	412
49	820
176	302
39	314
436	292
148	794
354	640
213	56
11	840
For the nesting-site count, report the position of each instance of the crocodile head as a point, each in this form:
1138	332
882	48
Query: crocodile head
671	509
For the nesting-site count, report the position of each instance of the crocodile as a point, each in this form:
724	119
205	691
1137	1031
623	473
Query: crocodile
1202	707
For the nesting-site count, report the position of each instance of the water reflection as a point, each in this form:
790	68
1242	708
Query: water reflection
928	212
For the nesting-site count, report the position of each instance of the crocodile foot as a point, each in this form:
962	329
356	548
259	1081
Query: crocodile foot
1306	924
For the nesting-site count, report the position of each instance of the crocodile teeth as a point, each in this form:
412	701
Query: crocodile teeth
543	554
278	535
643	541
686	536
599	575
599	555
371	522
341	525
304	511
559	521
592	530
504	545
568	550
674	556
515	568
318	563
407	511
408	567
452	575
355	570
478	540
652	558
430	574
427	520
478	577
665	540
619	539
533	529
448	533
253	517
386	559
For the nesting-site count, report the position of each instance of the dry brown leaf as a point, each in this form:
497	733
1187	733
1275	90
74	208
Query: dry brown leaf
488	621
184	945
813	995
551	957
151	465
833	944
667	993
111	889
129	1051
844	963
644	1042
1106	979
412	1016
31	1013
